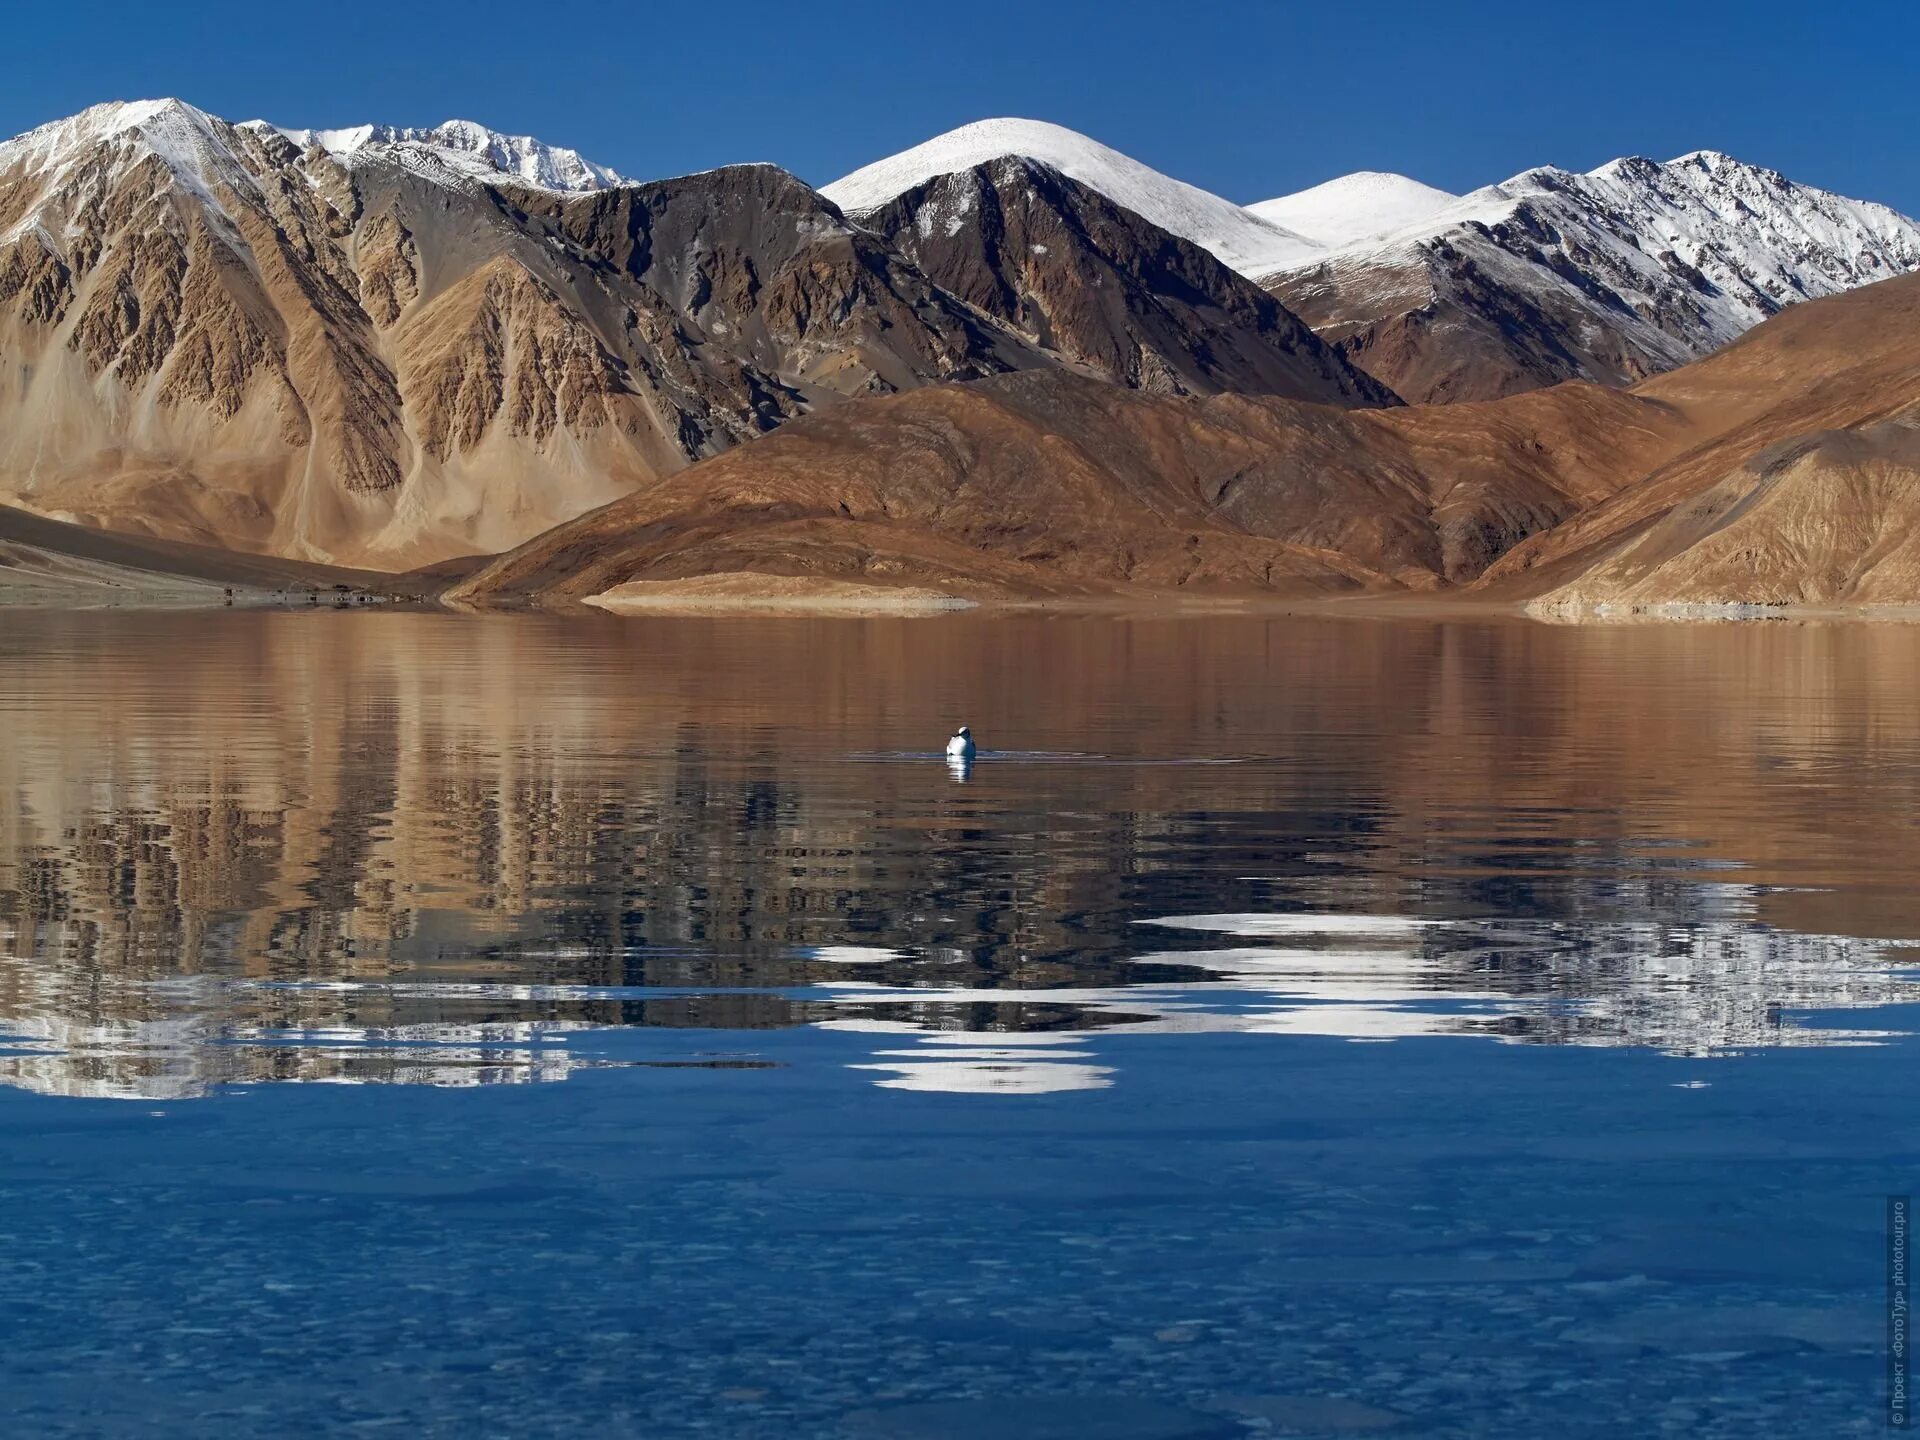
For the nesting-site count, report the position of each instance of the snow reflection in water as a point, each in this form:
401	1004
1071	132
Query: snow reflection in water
1717	987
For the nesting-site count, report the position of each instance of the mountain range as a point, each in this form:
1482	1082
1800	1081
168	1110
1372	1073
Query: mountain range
390	347
389	354
1780	470
1613	275
1007	360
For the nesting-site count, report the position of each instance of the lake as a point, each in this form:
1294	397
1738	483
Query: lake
530	1026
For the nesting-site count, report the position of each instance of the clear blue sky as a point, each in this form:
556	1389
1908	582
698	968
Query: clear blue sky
1244	98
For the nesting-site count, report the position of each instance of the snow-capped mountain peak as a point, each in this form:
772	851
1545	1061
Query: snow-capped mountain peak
60	160
469	148
1621	271
101	122
1351	207
1710	159
191	142
1245	241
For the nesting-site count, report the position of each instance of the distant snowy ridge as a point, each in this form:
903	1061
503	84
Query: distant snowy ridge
199	148
1698	199
1702	247
1245	241
469	148
1684	256
1353	207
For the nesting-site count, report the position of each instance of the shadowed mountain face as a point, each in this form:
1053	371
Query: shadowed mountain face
1081	275
1457	320
1049	483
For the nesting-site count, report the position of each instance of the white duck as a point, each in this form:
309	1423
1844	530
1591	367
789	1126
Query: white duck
960	747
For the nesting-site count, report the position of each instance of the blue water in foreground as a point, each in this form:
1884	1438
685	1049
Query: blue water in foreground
521	1027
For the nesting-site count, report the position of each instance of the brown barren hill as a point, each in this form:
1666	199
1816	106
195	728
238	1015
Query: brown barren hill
215	334
1796	490
1050	483
1773	471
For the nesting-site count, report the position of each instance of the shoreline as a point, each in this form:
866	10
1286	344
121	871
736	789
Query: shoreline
852	600
84	584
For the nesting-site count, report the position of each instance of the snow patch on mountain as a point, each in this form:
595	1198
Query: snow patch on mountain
1352	207
195	148
1248	243
469	148
188	141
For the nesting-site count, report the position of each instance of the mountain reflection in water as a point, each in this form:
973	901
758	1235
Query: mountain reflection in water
397	848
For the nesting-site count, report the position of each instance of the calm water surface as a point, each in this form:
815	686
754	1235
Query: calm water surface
526	1027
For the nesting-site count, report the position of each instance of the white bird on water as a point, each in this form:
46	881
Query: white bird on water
960	747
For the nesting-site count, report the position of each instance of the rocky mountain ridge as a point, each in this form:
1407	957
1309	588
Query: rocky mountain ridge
1778	471
389	348
386	348
1611	275
1085	277
1614	275
488	154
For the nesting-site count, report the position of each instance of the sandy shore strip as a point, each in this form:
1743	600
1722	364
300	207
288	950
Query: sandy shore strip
773	594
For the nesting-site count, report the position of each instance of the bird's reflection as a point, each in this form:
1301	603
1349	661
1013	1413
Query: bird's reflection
960	767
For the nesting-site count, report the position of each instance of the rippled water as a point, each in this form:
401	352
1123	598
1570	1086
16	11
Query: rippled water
893	1098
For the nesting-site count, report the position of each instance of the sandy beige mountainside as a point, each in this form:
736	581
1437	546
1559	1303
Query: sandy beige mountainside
390	357
1053	484
1793	491
212	334
1826	520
